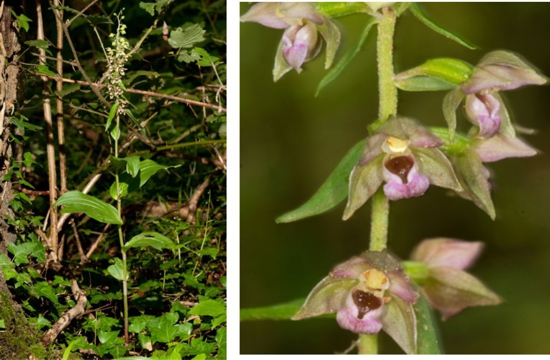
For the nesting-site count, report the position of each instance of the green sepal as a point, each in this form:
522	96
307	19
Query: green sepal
450	104
333	191
471	173
331	34
327	297
437	168
420	15
399	322
434	75
338	9
363	183
346	59
459	144
281	67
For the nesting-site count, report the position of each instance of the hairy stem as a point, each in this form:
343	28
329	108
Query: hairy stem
379	221
386	87
368	344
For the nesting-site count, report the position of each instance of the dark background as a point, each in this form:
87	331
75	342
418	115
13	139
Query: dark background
291	141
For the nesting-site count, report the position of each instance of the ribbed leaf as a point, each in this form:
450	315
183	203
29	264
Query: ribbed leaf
428	341
77	202
420	15
150	238
276	312
148	168
333	191
434	75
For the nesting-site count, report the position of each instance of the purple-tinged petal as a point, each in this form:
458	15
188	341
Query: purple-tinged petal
352	268
400	286
399	321
299	42
402	178
452	290
361	313
447	252
373	148
300	10
501	147
266	15
503	70
483	111
327	297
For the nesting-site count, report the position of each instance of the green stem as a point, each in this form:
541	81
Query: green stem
368	344
379	221
384	46
121	239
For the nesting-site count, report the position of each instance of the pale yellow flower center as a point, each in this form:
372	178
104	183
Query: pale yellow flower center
376	279
396	145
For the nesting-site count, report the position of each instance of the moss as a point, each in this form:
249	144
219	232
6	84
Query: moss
19	339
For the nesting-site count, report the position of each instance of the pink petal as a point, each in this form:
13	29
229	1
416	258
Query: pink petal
457	254
501	147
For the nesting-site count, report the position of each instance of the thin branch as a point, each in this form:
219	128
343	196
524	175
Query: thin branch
79	66
69	22
50	149
83	257
97	241
141	92
59	101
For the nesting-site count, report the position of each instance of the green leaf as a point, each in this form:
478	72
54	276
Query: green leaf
148	168
346	59
197	346
149	7
428	340
186	37
42	44
435	74
162	328
276	312
208	307
112	114
2	324
221	336
22	21
333	191
150	238
43	69
78	343
41	322
43	289
106	337
117	270
138	323
420	15
67	89
77	202
132	165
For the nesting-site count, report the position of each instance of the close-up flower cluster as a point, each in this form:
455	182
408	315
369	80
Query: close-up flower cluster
414	164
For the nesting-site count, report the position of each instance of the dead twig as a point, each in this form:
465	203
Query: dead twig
83	257
194	200
96	242
65	320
